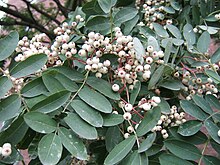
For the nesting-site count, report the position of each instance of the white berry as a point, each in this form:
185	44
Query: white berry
126	135
115	87
127	116
6	145
128	107
6	151
218	133
130	129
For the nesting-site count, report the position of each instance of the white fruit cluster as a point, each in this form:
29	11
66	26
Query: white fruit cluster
39	44
196	85
154	12
129	110
18	83
175	118
6	150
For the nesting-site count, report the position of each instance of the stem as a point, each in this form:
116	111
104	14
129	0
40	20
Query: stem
203	151
86	76
138	144
111	21
211	115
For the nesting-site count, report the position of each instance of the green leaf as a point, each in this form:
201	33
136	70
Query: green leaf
50	149
174	85
152	41
15	133
112	138
213	101
160	31
8	45
52	102
193	110
175	4
150	120
80	127
212	129
34	88
72	143
203	42
5	85
172	160
188	34
189	128
99	24
213	75
124	14
210	160
120	151
139	50
130	24
167	52
164	106
211	18
169	10
40	122
174	31
107	5
183	149
87	113
68	72
147	143
135	92
92	8
196	139
216	56
31	65
135	159
202	103
156	77
95	100
215	146
10	107
112	119
154	149
103	87
55	82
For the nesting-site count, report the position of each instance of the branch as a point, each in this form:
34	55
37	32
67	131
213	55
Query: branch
29	11
42	12
26	21
16	14
43	30
61	8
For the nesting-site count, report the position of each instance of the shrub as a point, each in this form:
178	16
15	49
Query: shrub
115	86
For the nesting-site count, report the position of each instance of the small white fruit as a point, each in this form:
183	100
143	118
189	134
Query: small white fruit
115	87
128	107
6	151
127	116
218	133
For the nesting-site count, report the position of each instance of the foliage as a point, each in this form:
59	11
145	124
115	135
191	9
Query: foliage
115	85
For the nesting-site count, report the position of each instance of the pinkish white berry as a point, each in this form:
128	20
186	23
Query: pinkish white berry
115	87
127	116
126	135
128	107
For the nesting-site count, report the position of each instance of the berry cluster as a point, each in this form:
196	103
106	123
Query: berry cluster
143	106
5	150
175	118
194	84
154	12
17	83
